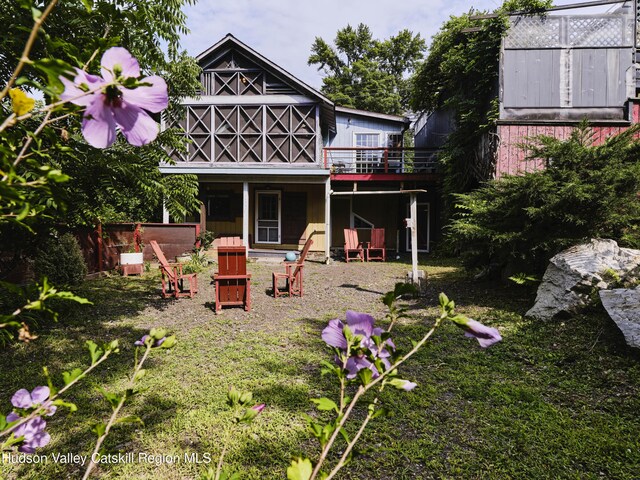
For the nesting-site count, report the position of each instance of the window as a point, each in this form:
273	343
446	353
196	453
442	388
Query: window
367	161
222	206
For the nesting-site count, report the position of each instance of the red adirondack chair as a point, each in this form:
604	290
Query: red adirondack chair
172	276
232	282
292	274
377	249
351	245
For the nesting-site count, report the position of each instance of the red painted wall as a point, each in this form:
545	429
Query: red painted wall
511	157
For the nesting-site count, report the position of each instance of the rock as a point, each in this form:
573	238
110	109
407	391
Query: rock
623	306
574	274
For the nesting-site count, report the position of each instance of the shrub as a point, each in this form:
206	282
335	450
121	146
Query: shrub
60	259
205	238
586	191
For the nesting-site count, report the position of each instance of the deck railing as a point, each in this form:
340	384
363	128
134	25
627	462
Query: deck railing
365	160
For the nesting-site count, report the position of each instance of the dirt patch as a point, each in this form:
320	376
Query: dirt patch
329	290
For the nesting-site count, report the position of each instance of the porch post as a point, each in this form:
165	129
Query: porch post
245	214
414	236
165	213
327	219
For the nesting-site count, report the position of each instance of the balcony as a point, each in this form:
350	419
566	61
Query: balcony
380	163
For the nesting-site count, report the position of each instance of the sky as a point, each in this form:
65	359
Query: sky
284	30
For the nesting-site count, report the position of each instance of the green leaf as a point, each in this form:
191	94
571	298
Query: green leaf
3	422
380	412
139	374
88	4
35	13
61	403
300	469
112	346
95	351
69	377
130	419
233	396
325	404
99	429
54	69
247	416
52	389
245	398
347	333
113	398
365	375
169	342
158	333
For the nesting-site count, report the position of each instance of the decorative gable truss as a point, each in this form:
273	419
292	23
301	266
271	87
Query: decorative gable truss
250	133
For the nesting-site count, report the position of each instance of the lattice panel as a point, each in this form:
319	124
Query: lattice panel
570	31
302	148
250	148
303	119
249	133
278	147
600	32
250	83
527	32
250	120
200	148
226	120
278	119
199	120
226	148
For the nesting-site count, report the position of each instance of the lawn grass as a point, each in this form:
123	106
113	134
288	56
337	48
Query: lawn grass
553	400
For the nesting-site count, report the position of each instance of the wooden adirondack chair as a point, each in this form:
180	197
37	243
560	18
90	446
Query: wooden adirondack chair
232	282
377	249
292	274
173	278
351	244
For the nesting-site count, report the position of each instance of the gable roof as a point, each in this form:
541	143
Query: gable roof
228	42
379	116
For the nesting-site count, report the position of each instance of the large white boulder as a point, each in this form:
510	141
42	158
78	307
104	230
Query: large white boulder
623	306
574	274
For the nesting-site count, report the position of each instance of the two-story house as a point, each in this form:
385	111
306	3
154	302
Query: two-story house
278	162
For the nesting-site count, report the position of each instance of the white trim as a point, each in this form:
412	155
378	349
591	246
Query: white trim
327	219
407	242
365	113
204	168
245	214
248	100
355	143
257	209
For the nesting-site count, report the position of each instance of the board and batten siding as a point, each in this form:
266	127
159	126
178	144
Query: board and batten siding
511	157
554	78
346	129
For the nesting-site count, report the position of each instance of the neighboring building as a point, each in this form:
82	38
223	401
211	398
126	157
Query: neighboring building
555	71
278	162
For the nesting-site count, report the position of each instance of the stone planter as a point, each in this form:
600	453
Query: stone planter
131	258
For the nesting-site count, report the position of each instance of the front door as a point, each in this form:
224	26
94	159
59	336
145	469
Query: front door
423	227
268	223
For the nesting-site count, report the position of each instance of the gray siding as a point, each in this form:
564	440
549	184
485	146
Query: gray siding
579	78
433	131
599	77
346	129
531	78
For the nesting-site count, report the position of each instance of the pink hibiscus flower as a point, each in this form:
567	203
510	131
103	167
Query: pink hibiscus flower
109	104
